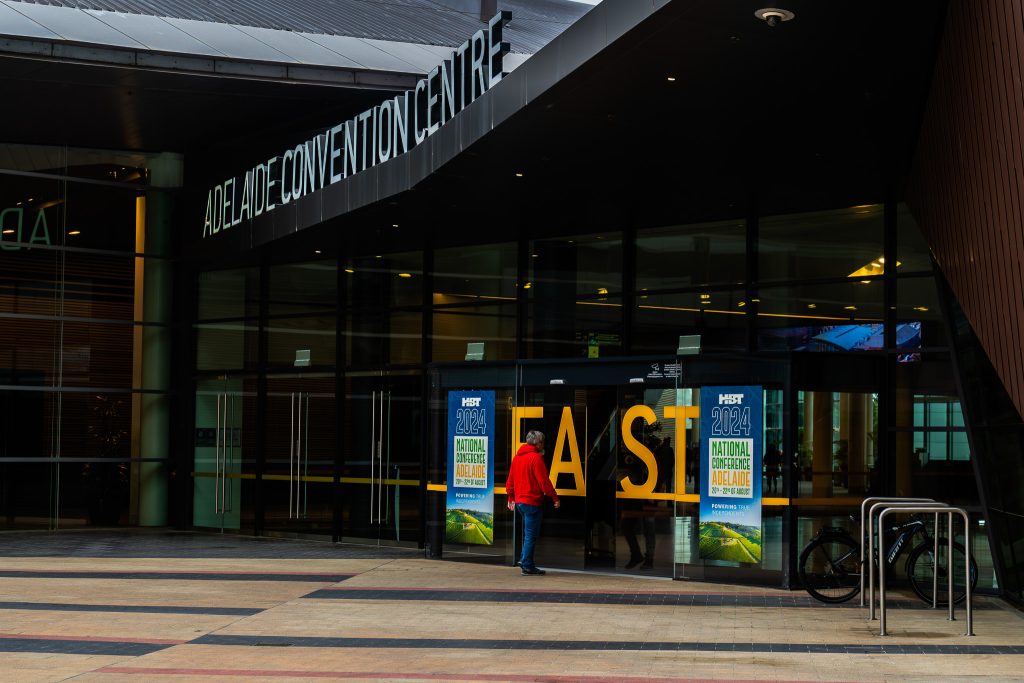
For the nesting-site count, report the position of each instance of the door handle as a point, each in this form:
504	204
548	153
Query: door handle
291	455
216	461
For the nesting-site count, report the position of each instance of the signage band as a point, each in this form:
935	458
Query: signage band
372	137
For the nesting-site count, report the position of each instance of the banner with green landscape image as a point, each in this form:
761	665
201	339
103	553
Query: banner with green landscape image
470	499
730	474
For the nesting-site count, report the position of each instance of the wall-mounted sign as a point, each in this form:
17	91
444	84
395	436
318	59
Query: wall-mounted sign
730	456
380	133
470	500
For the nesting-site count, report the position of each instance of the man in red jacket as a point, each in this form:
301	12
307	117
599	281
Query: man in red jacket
527	484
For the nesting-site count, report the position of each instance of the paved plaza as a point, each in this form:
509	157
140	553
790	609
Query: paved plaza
165	607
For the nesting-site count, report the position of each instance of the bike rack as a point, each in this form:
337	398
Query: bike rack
937	510
896	503
863	543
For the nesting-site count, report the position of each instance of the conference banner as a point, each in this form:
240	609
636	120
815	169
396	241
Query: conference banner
730	486
470	502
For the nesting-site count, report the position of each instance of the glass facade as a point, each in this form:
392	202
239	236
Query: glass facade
83	235
323	383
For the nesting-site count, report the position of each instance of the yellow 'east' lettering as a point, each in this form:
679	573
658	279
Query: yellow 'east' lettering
520	413
679	414
638	449
574	465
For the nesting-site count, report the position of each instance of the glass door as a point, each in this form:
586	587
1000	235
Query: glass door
301	436
224	467
382	458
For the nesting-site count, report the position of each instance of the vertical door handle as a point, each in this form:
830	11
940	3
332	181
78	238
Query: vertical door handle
216	461
298	457
373	447
291	455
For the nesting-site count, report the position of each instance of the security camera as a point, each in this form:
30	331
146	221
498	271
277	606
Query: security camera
773	16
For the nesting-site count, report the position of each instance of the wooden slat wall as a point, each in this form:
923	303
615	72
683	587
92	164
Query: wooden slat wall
967	184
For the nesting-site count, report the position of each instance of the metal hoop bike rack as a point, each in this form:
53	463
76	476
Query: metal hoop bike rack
883	505
935	509
863	543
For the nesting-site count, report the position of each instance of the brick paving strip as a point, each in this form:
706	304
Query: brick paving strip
646	598
142	609
83	645
516	678
602	645
174	575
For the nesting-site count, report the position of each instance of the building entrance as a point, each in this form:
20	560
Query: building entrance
382	454
623	449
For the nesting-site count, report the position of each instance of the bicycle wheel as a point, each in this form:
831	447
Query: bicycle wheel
830	568
921	569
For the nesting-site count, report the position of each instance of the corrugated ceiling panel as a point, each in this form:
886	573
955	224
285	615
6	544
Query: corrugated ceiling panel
535	22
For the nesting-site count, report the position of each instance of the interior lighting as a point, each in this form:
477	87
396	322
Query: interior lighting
773	16
9	231
519	175
812	305
528	285
741	304
317	251
349	270
534	255
394	225
850	308
876	267
865	282
405	275
671	79
602	290
923	309
74	232
378	256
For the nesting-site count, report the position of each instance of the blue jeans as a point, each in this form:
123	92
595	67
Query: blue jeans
531	530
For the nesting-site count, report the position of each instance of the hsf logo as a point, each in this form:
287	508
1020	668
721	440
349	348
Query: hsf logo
471	402
730	399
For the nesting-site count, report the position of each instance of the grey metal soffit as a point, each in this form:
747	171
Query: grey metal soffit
535	22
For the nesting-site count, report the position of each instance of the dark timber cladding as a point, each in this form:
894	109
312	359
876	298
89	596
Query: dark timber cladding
967	185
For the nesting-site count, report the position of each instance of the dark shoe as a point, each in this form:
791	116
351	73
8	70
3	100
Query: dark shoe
534	572
634	561
648	564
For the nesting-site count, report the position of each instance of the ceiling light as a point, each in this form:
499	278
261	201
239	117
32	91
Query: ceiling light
602	290
534	255
528	285
741	304
519	175
865	282
671	79
773	16
850	308
378	256
923	309
394	225
349	270
74	232
756	301
705	296
317	251
9	231
405	275
812	305
881	260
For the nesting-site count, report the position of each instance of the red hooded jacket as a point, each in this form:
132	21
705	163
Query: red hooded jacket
528	480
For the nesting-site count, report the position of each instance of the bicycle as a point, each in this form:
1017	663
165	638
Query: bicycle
830	563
